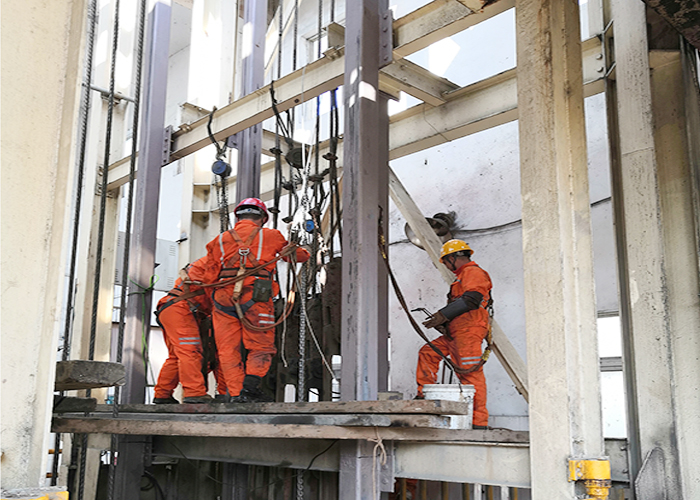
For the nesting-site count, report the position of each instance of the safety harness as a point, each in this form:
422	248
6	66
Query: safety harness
417	328
236	270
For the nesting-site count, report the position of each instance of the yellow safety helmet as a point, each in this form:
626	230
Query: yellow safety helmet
454	246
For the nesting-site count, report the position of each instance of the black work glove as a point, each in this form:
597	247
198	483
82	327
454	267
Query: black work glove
435	320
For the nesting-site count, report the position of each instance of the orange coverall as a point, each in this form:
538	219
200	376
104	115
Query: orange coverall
468	330
180	324
231	335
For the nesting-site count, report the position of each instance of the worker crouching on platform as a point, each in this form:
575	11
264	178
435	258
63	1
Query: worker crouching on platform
243	313
465	324
179	314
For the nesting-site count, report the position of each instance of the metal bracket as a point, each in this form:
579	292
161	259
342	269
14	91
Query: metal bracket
386	38
167	144
650	481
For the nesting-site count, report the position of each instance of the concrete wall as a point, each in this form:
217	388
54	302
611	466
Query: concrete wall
42	56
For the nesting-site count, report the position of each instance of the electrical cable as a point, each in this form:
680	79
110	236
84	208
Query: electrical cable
154	482
101	226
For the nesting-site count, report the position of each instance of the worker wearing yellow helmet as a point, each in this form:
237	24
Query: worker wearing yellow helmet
464	322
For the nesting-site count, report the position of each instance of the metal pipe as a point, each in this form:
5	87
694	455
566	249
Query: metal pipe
117	96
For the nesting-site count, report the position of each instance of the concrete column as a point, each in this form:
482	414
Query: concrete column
565	408
38	151
645	269
681	264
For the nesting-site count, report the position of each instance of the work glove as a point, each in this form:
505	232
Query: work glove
435	320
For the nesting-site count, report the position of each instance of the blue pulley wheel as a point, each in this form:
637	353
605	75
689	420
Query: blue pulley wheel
220	167
309	226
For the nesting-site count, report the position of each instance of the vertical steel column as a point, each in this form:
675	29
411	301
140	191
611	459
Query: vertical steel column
142	263
143	248
365	198
249	142
565	408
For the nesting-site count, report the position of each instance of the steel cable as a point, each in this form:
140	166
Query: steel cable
101	224
127	237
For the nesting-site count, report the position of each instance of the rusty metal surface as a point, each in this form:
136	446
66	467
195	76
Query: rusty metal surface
683	15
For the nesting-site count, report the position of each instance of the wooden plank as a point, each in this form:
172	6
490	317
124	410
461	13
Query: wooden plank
125	425
414	406
79	374
344	420
64	404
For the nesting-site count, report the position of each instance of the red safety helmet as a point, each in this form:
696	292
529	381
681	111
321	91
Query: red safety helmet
254	206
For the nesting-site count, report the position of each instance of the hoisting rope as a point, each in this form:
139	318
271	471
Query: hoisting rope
399	295
221	169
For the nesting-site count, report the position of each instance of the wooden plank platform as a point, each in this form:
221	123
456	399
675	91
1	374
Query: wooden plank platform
414	406
174	426
345	420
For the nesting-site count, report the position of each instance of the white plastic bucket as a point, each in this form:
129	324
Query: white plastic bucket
453	392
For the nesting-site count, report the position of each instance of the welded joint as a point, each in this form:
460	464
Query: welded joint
595	475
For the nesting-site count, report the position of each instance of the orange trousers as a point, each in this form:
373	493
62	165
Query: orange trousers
232	337
465	351
184	362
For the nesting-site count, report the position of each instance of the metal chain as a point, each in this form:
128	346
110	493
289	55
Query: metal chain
301	385
300	485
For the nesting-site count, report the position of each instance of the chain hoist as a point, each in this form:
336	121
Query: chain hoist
221	169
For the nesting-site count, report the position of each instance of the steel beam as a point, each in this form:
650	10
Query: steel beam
437	20
142	263
468	110
365	204
560	309
249	141
323	75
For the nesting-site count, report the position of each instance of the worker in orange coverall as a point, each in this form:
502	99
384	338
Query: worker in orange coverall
467	323
246	246
179	314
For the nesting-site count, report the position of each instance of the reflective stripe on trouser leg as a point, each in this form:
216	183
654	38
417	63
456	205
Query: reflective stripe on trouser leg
168	378
429	362
183	333
260	345
466	347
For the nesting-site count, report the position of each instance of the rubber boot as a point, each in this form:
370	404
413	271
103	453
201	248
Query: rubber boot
166	401
198	399
251	392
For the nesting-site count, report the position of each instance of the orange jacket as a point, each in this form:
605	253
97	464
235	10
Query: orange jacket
223	253
199	270
471	278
